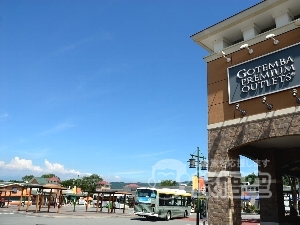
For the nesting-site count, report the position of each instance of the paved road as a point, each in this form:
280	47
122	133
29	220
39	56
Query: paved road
14	218
17	219
11	216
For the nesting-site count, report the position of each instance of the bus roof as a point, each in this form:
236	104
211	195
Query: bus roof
167	191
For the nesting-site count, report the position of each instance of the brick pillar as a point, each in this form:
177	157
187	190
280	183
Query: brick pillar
271	189
224	204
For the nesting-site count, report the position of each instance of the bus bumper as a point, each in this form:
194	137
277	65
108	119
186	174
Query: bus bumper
145	214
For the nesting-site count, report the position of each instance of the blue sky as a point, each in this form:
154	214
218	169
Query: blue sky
104	87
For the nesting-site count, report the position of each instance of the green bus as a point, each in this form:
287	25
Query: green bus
162	203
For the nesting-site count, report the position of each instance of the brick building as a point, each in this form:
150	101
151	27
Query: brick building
253	76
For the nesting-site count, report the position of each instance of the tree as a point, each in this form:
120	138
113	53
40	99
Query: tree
67	183
251	178
50	175
286	180
291	181
27	178
15	181
87	183
168	183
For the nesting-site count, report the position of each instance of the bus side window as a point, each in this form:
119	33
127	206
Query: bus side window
184	201
189	201
175	202
161	201
179	200
170	200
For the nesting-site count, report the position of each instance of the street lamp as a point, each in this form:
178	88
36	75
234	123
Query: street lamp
203	163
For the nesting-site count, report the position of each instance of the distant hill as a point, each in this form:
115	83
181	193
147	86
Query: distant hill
120	185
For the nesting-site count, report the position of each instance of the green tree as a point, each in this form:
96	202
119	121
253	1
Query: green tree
50	175
86	183
251	178
168	183
27	178
291	181
15	181
67	183
286	180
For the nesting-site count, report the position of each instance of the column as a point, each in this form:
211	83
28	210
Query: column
224	204
270	188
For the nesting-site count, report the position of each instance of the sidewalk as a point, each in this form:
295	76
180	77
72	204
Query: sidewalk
80	211
67	211
247	219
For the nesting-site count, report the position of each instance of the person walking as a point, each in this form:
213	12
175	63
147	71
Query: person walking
2	203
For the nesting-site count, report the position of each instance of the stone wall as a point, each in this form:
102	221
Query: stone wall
224	147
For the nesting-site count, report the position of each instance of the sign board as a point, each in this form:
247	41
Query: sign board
267	74
198	183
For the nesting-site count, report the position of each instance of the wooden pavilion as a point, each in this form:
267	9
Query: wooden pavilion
109	195
4	191
42	194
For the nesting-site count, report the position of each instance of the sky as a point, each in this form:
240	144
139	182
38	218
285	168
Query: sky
115	88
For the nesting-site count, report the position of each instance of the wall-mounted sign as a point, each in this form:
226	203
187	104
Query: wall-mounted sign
276	71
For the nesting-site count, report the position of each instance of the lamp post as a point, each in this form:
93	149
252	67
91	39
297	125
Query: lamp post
75	183
203	163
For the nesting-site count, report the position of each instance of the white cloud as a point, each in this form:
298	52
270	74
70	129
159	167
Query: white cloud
2	164
58	168
54	167
20	164
25	165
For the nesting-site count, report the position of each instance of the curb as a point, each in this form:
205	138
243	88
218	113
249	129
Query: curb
69	215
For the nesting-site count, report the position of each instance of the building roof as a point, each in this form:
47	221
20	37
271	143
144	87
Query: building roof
39	180
260	15
132	185
227	18
103	182
5	184
115	191
53	186
54	179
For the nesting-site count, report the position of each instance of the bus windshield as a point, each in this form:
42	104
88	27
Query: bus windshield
146	193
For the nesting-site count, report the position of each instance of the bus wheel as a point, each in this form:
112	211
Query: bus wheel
168	216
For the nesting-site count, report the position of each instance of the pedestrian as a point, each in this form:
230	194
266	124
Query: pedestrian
2	203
